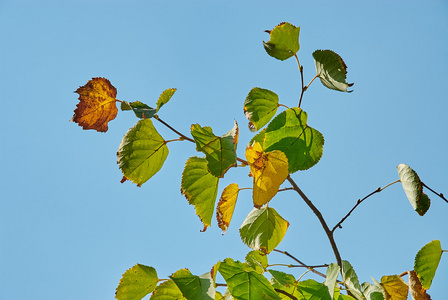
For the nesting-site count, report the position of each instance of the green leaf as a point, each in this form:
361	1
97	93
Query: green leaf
374	291
194	287
285	282
142	152
313	290
331	70
426	262
332	276
167	291
125	106
259	107
257	260
263	229
413	188
220	152
284	41
200	188
142	110
137	282
350	280
289	133
244	283
164	98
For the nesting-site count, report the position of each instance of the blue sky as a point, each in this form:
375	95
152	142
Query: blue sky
69	228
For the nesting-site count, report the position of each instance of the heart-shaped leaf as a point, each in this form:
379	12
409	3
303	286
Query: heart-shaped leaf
284	41
194	287
259	107
167	291
331	70
137	282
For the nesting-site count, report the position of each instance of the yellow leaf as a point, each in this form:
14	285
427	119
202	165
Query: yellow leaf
226	206
416	289
395	286
97	104
269	170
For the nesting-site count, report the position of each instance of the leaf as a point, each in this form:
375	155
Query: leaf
332	276
226	206
269	171
142	152
220	152
263	229
257	260
426	262
373	291
137	282
200	188
285	282
259	107
395	286
194	287
331	70
415	288
350	280
141	110
244	283
311	289
284	41
96	105
413	188
167	291
165	97
289	133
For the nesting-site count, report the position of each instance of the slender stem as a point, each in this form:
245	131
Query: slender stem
298	266
301	263
311	82
177	132
438	194
286	294
338	225
301	77
327	230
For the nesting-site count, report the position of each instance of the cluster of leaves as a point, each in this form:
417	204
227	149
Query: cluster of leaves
284	144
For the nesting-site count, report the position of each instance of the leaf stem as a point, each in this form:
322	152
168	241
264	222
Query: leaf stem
301	77
338	225
174	130
318	214
286	294
438	194
301	263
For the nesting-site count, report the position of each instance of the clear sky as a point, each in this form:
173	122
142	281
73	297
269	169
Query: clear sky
69	229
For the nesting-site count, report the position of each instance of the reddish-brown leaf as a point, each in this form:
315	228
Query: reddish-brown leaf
96	105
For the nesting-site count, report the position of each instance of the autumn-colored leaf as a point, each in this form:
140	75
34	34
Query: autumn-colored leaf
395	286
269	170
137	282
416	289
96	105
165	97
226	206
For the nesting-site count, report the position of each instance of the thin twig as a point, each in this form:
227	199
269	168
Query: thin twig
301	77
338	225
301	263
286	294
438	194
318	214
174	130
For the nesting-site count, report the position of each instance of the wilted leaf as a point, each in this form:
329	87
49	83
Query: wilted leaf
395	286
137	282
200	188
194	287
257	260
165	97
413	188
331	70
263	229
142	152
269	170
226	206
350	280
284	41
426	262
167	291
415	288
259	107
220	152
374	291
332	276
289	133
244	283
97	104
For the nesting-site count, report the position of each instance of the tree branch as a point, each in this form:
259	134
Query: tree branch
286	294
301	263
338	225
438	194
174	130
